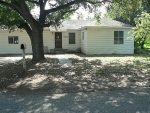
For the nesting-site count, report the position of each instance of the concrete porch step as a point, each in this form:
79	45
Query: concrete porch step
58	51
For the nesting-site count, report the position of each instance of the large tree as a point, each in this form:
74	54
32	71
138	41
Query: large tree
131	12
142	30
17	14
126	11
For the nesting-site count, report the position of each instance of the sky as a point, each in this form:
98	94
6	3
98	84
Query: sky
85	14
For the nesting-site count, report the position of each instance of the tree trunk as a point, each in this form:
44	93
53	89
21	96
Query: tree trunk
142	45
37	45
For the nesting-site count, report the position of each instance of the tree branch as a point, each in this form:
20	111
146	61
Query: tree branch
48	24
27	15
42	16
45	1
98	2
26	27
7	4
74	2
68	11
59	17
12	7
33	1
60	7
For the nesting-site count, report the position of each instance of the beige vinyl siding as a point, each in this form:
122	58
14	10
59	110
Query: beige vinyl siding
84	42
6	48
48	41
96	41
101	41
65	40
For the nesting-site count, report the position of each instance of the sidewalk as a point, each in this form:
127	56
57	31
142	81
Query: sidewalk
7	60
64	61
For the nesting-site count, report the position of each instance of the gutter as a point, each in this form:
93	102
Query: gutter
85	27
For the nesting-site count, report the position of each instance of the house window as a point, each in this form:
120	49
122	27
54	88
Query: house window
13	40
118	37
82	35
71	38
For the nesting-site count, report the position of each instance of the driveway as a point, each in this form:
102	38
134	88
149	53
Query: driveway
5	59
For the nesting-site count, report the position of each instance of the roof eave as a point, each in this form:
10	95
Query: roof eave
106	27
57	30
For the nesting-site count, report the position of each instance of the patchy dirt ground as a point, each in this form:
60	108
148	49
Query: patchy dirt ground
87	73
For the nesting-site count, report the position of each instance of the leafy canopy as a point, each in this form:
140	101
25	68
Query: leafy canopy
142	30
126	10
17	12
9	17
136	13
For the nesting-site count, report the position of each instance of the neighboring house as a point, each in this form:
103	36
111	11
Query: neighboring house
107	37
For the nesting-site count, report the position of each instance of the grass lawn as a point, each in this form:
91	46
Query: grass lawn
88	72
117	64
100	65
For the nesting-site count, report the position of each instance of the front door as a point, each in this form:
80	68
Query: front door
58	39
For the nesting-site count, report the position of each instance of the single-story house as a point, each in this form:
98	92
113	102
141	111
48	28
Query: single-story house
107	37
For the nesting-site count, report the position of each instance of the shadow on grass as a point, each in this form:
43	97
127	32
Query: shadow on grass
82	76
147	53
116	101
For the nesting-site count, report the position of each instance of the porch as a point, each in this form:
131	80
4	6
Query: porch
58	51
